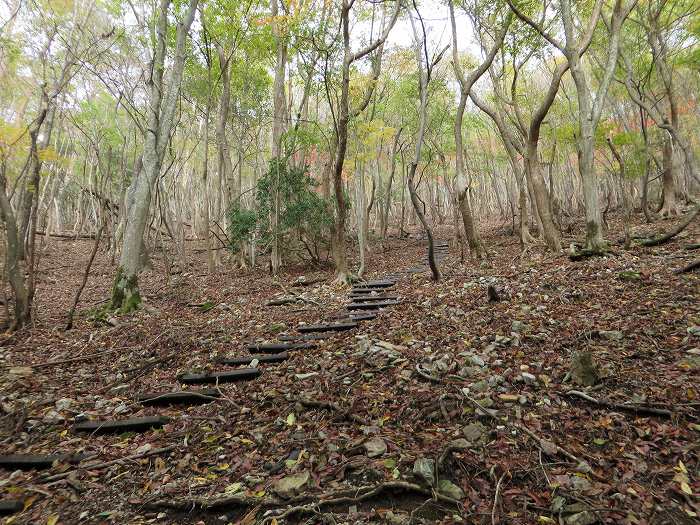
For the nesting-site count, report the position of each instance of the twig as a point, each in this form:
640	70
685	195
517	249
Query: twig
495	499
97	466
637	409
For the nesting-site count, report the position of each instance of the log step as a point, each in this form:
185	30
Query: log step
362	316
361	298
332	327
372	306
376	284
35	462
10	506
242	374
276	348
262	358
305	337
181	397
136	424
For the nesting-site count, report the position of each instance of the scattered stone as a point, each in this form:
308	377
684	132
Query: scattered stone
424	469
475	433
375	447
528	378
475	360
306	376
64	404
289	486
583	370
611	335
479	386
459	444
582	518
519	327
449	489
469	371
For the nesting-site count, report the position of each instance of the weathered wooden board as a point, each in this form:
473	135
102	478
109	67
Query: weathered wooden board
372	306
275	348
242	374
331	327
262	358
10	506
303	337
181	397
36	461
361	298
115	426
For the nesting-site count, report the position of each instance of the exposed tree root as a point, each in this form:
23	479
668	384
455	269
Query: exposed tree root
656	241
690	267
304	504
637	409
333	407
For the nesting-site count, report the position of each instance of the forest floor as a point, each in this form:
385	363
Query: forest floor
273	443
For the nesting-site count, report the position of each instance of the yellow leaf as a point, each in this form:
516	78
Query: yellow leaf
686	489
53	519
28	502
545	519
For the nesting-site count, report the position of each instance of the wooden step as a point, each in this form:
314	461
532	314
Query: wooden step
262	358
372	306
181	397
362	316
36	462
276	348
10	506
242	374
117	426
375	284
361	298
303	337
331	327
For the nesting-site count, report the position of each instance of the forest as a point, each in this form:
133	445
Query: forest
350	261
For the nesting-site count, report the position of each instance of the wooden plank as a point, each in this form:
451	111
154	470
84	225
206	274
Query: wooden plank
362	316
375	284
262	358
117	426
181	397
372	306
10	506
332	327
303	337
242	374
36	461
361	298
276	348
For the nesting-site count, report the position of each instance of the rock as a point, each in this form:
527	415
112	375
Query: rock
519	327
424	469
475	433
581	518
485	402
693	351
479	386
375	447
449	489
52	418
611	335
528	378
289	486
469	371
120	409
397	519
459	444
583	371
475	360
496	379
21	371
64	404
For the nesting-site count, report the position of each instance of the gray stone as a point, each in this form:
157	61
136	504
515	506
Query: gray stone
469	371
519	327
475	433
424	469
496	379
64	404
583	371
528	378
476	360
611	335
479	386
581	518
459	444
289	486
375	447
449	489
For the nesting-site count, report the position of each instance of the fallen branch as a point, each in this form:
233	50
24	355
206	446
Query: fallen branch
670	235
690	267
105	464
524	429
637	409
